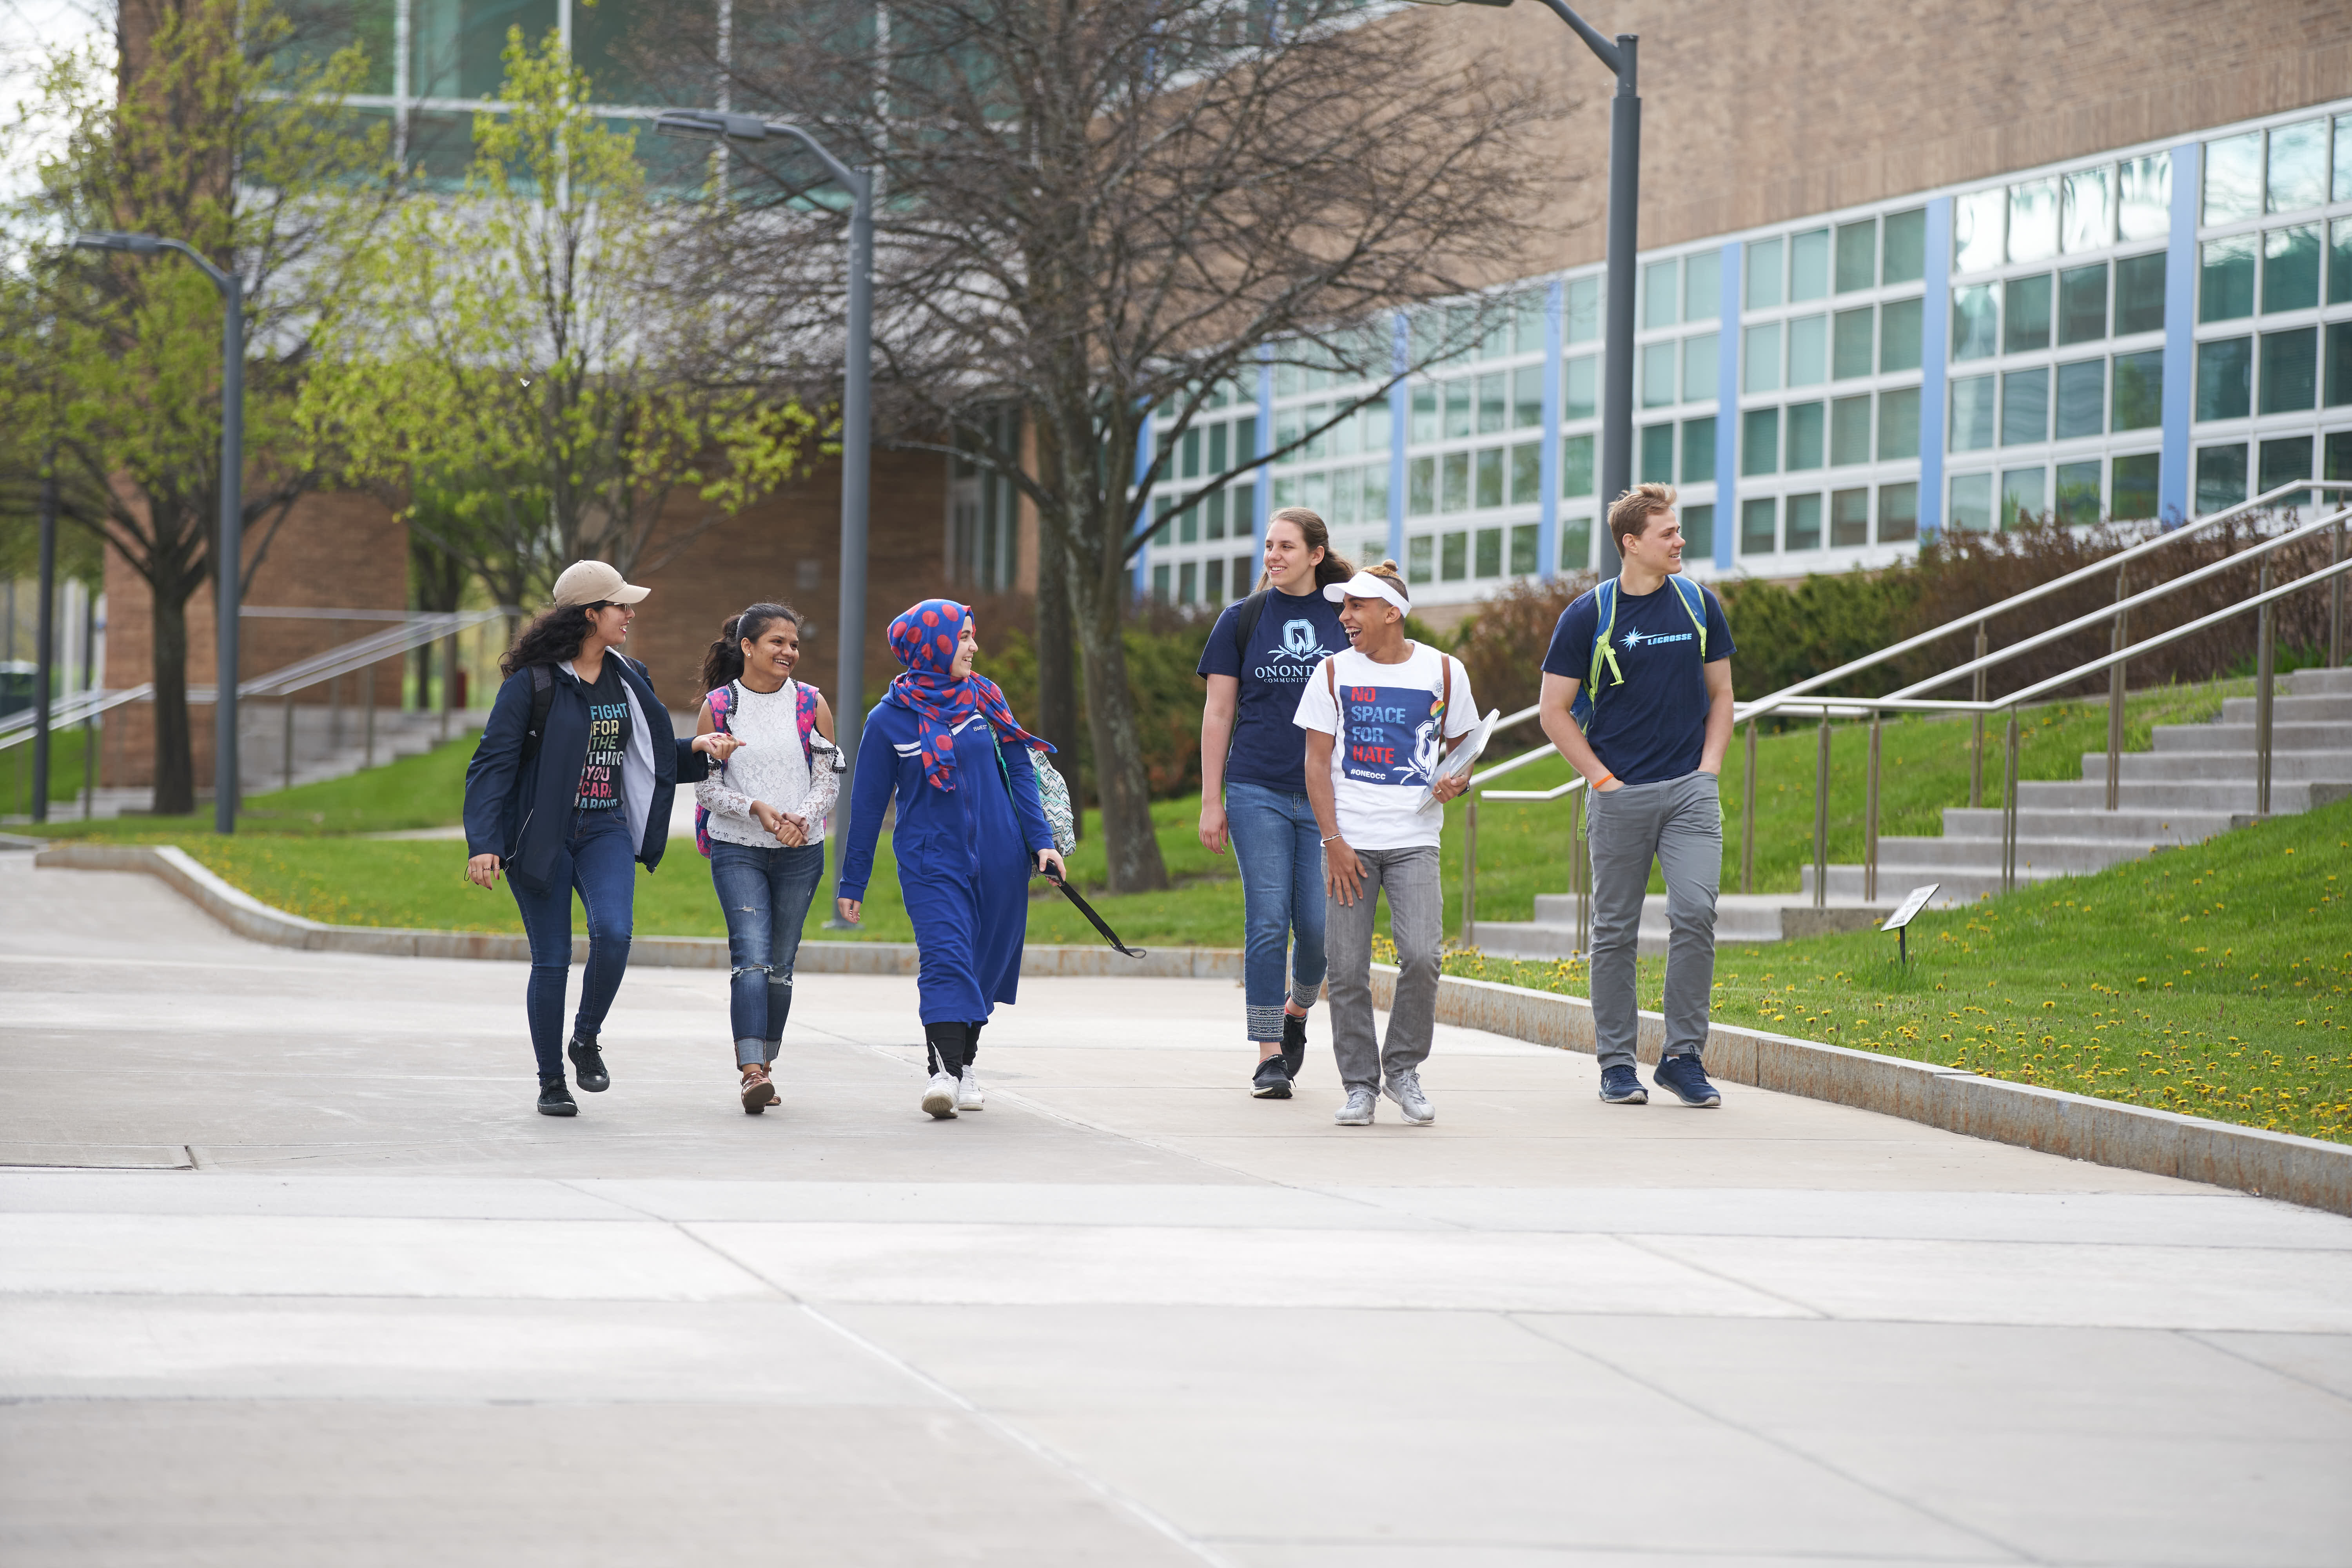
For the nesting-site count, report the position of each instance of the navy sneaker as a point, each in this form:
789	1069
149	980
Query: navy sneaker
1687	1080
1620	1087
1271	1080
1294	1043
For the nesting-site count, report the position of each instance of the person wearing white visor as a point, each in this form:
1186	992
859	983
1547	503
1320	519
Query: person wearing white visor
1377	719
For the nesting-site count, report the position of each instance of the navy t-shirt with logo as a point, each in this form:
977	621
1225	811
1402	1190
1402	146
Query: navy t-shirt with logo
1653	727
1294	635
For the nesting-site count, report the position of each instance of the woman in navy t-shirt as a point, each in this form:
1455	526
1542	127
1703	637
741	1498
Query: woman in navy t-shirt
1254	781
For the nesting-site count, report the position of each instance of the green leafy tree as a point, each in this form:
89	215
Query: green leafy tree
522	375
216	132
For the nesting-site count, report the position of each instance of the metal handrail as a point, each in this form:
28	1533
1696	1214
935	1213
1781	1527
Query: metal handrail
343	658
1875	708
1771	702
2058	585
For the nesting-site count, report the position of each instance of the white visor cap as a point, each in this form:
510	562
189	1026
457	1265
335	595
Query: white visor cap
1364	586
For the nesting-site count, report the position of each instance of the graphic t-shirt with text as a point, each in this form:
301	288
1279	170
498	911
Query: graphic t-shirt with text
608	739
1295	634
1390	723
1653	727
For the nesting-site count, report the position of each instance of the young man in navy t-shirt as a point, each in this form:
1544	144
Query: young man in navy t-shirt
1652	751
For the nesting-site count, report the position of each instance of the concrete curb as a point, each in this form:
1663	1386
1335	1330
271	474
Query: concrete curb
2269	1164
2305	1170
248	917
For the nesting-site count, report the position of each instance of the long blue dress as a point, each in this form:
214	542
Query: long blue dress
964	856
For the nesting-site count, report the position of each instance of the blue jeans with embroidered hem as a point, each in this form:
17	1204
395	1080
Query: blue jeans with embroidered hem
765	894
599	862
1280	850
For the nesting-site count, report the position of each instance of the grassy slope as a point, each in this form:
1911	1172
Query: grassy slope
2210	979
65	772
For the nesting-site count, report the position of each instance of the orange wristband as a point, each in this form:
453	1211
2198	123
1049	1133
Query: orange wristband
1604	779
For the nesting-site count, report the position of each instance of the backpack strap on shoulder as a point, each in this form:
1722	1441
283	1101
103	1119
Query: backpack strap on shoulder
1604	608
1693	598
542	699
1245	624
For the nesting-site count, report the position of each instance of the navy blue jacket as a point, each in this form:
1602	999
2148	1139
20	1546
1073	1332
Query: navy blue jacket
521	811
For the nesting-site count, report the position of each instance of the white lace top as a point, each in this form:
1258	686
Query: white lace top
769	767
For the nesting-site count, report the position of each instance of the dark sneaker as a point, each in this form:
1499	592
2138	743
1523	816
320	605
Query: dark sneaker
1294	1043
1687	1080
588	1064
1620	1087
1271	1080
555	1099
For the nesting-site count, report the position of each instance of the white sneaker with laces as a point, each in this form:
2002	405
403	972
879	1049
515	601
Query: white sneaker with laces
939	1096
1358	1111
1405	1087
968	1095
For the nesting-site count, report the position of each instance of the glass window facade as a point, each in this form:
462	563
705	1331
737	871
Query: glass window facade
1782	375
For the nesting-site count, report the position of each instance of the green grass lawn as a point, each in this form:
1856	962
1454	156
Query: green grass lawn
65	772
2210	979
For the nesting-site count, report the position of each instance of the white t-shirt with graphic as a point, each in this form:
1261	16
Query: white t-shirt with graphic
1391	723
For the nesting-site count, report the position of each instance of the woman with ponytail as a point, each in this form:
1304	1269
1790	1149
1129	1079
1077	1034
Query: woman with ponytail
1252	782
945	744
759	816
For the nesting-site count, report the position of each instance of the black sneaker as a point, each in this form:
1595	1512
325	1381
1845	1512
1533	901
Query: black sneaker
1620	1087
554	1099
1294	1043
588	1064
1687	1080
1271	1079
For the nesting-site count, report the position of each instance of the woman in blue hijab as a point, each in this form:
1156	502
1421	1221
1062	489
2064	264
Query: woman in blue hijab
970	831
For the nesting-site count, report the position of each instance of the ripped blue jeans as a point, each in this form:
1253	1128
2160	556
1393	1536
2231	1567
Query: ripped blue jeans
765	894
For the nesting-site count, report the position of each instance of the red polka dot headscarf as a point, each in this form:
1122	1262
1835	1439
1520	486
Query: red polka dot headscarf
924	639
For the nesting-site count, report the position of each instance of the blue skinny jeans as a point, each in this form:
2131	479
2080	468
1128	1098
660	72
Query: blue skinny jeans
1280	850
598	861
765	894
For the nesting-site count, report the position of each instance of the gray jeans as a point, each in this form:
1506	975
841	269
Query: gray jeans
1417	923
1679	823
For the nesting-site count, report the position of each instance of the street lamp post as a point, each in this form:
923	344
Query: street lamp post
856	398
228	564
1624	198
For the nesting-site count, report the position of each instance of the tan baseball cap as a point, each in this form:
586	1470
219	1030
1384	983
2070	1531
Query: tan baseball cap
590	582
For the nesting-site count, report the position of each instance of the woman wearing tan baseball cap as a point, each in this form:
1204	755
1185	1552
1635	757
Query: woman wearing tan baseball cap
568	790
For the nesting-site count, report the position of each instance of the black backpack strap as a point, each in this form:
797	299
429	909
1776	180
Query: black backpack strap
1245	624
1087	910
542	699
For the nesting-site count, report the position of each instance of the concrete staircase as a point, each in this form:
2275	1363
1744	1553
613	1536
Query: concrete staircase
2197	782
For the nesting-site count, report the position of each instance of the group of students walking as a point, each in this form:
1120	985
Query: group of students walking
1322	736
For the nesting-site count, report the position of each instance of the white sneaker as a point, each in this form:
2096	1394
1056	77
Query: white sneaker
939	1096
1405	1087
968	1095
1358	1111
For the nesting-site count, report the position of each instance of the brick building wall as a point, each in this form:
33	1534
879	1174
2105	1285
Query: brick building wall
788	548
335	552
1756	112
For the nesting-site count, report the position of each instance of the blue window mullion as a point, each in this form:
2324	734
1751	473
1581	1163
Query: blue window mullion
2179	335
1726	410
1935	336
1547	528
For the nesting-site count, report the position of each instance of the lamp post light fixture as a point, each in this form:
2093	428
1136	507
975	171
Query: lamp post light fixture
857	397
1624	196
228	564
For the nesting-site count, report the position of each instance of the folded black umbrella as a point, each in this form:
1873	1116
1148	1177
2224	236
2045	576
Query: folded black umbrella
1087	910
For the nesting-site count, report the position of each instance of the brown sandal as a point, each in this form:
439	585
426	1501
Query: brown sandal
759	1093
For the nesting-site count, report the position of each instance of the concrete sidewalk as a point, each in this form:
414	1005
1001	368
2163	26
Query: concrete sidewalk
289	1273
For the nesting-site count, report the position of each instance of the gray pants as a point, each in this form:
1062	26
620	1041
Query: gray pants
1417	923
1679	823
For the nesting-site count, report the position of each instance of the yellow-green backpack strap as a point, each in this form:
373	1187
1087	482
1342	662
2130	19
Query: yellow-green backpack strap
1694	605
